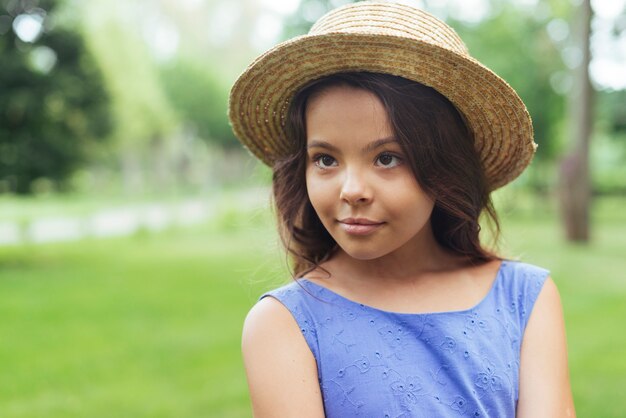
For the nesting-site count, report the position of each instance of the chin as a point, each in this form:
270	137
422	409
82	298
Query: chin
363	254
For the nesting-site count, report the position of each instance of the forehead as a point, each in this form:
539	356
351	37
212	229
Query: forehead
344	111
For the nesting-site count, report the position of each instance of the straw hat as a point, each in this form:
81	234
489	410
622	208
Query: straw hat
387	38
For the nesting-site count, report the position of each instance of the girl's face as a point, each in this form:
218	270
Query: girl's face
357	179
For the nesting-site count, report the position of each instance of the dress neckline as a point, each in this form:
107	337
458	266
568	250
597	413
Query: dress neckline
323	289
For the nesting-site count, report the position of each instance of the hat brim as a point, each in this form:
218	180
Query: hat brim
496	115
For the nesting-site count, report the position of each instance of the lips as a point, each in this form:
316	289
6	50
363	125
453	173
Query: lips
359	226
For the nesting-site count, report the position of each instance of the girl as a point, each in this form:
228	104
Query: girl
385	139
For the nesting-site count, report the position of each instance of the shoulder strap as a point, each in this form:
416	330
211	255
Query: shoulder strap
525	284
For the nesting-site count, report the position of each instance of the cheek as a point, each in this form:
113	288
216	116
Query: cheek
410	199
319	195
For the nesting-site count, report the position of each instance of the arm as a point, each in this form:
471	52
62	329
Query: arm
544	389
281	370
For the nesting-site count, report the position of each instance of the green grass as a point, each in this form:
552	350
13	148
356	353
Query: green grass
143	326
149	326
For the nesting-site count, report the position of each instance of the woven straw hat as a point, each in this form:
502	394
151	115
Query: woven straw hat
389	38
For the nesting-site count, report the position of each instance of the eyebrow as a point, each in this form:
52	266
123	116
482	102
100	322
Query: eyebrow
379	143
368	148
321	144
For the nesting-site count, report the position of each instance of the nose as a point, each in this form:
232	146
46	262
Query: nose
355	190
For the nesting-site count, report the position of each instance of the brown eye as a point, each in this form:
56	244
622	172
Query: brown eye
324	161
327	160
387	160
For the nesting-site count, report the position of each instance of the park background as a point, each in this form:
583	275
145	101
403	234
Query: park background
135	233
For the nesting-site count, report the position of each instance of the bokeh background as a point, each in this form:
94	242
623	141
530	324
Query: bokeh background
135	233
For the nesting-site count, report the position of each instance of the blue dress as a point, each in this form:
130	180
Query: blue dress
374	363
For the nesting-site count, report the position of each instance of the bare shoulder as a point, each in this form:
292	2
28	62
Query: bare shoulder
550	300
270	331
263	318
281	370
544	377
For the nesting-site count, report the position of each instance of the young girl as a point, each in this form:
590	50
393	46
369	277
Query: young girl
385	139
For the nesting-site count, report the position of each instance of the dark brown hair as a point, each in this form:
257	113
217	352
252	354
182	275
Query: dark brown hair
438	147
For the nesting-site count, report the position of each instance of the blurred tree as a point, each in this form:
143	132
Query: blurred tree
615	103
574	181
199	98
144	120
53	107
198	83
215	33
308	12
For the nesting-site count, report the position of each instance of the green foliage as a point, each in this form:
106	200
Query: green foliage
308	11
607	160
611	113
141	110
53	108
200	98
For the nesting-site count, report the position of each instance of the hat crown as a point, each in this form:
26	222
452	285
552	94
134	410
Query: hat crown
391	19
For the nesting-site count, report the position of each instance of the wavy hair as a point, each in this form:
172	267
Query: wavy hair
438	147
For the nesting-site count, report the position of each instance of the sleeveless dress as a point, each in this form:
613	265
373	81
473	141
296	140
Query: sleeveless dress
374	363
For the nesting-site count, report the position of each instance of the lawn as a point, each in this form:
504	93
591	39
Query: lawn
149	326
